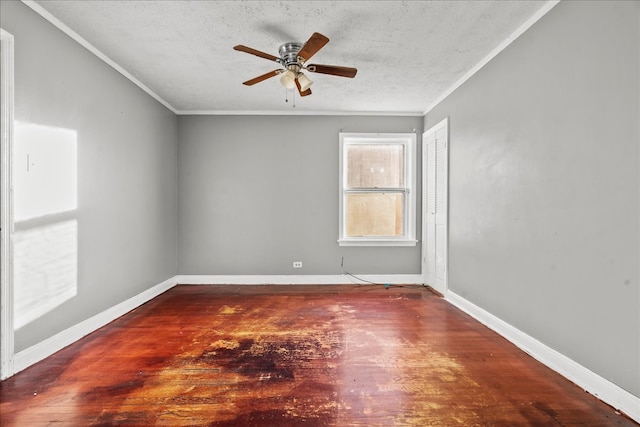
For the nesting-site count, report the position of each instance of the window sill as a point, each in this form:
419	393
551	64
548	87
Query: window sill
376	242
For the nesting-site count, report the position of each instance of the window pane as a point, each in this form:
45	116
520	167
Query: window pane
375	165
374	214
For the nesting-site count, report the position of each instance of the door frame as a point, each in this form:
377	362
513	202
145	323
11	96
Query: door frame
444	123
6	200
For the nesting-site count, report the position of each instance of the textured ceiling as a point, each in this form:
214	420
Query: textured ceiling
408	53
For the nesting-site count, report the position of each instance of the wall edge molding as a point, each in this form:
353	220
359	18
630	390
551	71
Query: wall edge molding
591	382
49	346
94	50
291	279
7	86
588	380
297	113
517	33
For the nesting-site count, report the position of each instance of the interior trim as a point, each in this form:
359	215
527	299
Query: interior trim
49	346
91	48
299	113
46	348
75	36
6	203
517	33
285	279
591	382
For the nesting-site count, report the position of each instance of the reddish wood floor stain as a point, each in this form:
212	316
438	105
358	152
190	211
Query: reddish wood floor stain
296	356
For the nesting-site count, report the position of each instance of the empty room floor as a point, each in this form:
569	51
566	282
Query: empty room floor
352	355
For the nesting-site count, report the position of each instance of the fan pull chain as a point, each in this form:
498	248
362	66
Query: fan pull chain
293	97
286	97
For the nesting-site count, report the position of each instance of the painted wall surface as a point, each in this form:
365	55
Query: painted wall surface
544	186
116	234
259	192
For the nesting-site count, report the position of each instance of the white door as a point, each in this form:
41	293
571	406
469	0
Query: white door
6	205
435	152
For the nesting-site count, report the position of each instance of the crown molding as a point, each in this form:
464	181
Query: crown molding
517	33
64	28
297	113
91	48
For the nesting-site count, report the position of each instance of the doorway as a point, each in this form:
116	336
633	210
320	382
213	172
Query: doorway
435	206
6	208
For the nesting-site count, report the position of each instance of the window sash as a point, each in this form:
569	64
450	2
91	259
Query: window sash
385	217
375	165
406	234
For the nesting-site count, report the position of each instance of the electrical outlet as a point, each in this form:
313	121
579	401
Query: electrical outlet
297	264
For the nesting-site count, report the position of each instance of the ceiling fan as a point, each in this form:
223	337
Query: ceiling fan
293	58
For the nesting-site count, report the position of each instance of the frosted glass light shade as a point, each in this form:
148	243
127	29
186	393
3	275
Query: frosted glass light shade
305	82
288	79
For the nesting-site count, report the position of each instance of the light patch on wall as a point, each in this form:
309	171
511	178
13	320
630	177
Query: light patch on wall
46	228
45	165
45	267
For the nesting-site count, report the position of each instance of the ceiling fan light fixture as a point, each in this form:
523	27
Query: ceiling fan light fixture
293	56
305	82
288	79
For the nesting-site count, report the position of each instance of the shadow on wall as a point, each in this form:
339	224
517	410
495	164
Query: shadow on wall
45	238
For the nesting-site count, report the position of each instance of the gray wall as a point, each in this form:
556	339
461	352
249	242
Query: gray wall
259	192
544	192
544	186
127	168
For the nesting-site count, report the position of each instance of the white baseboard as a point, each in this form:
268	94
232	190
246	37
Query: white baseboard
319	279
591	382
46	348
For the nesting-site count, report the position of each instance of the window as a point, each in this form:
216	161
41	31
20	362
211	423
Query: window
377	183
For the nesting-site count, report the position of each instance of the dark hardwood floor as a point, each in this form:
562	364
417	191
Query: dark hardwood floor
296	356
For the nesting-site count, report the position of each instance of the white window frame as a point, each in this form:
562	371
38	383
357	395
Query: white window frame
409	140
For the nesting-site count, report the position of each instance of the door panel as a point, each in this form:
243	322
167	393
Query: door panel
435	207
429	211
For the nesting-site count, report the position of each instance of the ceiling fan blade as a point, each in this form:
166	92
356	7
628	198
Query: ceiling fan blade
334	70
255	52
300	91
312	46
265	76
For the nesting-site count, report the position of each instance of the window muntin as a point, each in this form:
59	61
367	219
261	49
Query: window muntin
377	204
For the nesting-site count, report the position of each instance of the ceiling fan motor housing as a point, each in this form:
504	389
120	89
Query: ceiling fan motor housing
289	55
